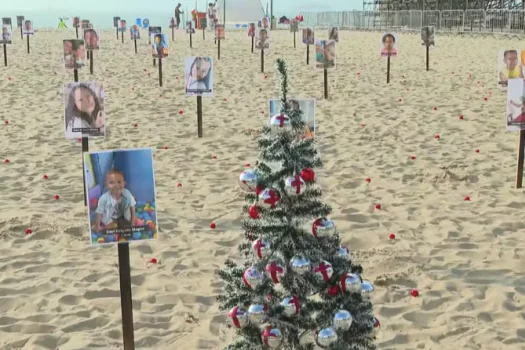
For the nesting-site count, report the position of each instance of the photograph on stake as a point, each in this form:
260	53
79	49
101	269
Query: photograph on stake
333	34
308	36
306	106
74	53
20	21
153	30
120	189
510	66
159	47
6	21
134	32
84	114
324	54
189	27
6	35
28	28
389	45
76	22
428	36
516	105
219	32
123	27
199	76
262	39
91	39
251	30
294	26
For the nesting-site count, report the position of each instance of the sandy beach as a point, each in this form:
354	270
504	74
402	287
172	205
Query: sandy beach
464	257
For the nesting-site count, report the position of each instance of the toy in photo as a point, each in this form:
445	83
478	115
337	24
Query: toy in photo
428	36
74	53
325	54
510	66
91	39
389	45
120	189
159	45
135	32
84	114
333	34
251	30
262	41
219	31
28	28
6	35
308	36
307	108
199	76
516	105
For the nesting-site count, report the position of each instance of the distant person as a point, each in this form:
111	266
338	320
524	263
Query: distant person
389	42
199	75
116	207
178	12
211	15
512	69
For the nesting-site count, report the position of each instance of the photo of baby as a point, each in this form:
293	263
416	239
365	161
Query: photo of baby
153	30
159	48
74	53
135	32
306	106
19	21
115	22
333	34
189	28
251	30
219	31
91	39
427	36
76	22
84	114
516	105
262	39
324	54
6	21
120	190
389	45
509	66
28	28
308	36
6	35
123	27
199	76
294	26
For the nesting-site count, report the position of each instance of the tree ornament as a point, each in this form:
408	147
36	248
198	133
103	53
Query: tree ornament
323	271
350	283
300	265
343	320
291	305
269	198
325	337
261	248
343	252
275	271
323	227
375	326
333	291
238	317
308	174
248	180
252	278
272	337
253	211
294	186
280	123
366	290
257	312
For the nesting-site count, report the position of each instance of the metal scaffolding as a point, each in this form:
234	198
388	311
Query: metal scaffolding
439	5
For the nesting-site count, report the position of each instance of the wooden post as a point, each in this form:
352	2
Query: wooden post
160	72
191	41
427	56
28	49
126	301
218	49
307	54
294	40
521	153
253	43
199	116
135	45
262	59
388	69
325	73
90	62
76	31
5	55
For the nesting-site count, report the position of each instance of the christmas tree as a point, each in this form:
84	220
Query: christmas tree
296	279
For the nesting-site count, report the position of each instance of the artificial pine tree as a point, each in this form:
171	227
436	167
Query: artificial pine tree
296	278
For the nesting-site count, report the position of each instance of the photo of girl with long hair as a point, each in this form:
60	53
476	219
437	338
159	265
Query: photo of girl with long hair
199	76
84	110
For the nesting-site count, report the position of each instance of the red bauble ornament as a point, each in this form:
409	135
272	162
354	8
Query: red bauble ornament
181	112
253	211
258	190
414	293
46	177
308	175
212	225
368	179
29	231
333	291
378	206
153	261
57	197
467	198
275	271
392	236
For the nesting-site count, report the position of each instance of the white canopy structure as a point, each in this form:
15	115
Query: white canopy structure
239	11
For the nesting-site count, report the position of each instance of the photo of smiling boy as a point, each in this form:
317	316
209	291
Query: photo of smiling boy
509	67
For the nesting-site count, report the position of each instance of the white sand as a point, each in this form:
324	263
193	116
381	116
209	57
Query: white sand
464	257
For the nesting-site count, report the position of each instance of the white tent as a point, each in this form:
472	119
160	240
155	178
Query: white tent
239	11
